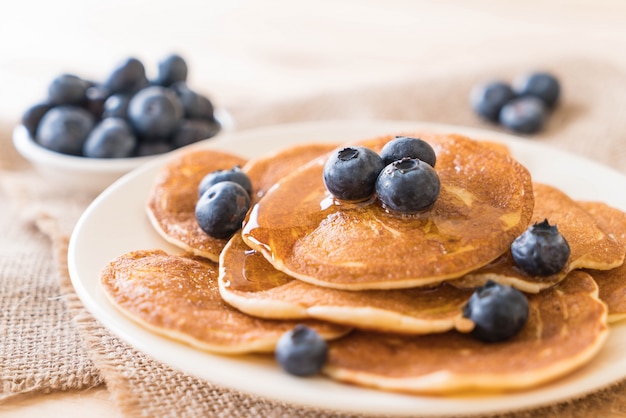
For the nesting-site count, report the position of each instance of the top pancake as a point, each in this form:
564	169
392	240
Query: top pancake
172	201
486	200
591	247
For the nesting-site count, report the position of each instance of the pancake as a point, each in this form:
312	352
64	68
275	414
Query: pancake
172	201
267	170
486	201
250	283
612	283
566	328
178	297
590	246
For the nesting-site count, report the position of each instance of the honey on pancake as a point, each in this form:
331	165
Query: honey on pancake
485	201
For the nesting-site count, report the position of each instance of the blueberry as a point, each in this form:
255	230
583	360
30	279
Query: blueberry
541	250
350	173
408	186
116	106
234	174
194	130
128	77
487	99
111	138
222	208
498	311
171	70
195	105
403	146
155	112
64	129
525	115
67	89
33	115
96	97
145	149
301	351
542	85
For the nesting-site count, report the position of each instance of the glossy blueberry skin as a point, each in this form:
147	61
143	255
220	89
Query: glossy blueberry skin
350	173
64	129
402	147
526	115
96	97
541	250
33	115
234	174
128	77
408	186
155	113
498	311
193	130
222	208
487	99
301	351
542	85
171	69
67	89
110	138
116	106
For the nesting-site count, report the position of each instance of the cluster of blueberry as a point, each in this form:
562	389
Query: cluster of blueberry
224	200
402	175
522	107
127	115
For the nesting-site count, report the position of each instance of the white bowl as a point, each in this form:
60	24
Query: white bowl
90	175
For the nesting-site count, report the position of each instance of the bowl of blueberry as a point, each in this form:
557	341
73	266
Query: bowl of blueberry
84	134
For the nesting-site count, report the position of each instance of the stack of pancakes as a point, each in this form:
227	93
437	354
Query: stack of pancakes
386	290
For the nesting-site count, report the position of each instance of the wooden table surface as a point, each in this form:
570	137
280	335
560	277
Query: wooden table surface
245	53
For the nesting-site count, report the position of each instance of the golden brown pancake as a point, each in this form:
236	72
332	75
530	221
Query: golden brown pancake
172	201
590	246
566	328
612	283
178	297
267	170
486	200
251	284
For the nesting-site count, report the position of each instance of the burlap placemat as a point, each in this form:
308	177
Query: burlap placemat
44	308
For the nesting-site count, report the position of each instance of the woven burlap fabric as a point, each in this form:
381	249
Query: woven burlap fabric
35	231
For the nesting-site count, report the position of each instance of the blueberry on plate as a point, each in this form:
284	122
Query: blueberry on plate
301	351
155	112
408	186
128	77
487	99
193	130
541	250
525	115
222	208
67	89
110	138
234	174
403	146
65	129
541	85
498	312
350	173
171	70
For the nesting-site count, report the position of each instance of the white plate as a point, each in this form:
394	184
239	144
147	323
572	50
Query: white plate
116	223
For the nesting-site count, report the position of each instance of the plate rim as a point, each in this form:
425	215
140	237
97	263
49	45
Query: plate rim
226	141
